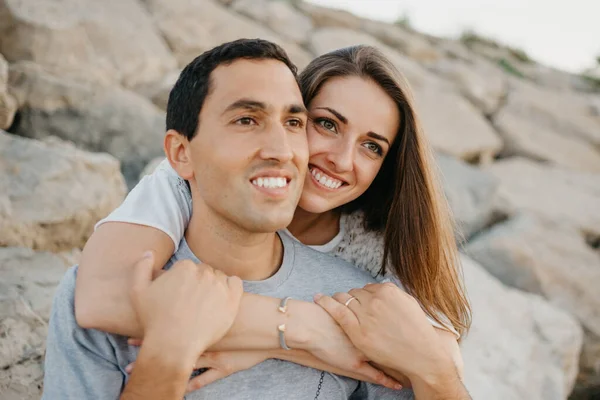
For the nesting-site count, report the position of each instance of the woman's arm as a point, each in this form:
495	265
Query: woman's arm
102	301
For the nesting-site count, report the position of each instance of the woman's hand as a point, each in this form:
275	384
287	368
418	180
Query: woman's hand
329	343
389	327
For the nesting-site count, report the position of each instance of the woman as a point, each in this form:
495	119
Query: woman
371	198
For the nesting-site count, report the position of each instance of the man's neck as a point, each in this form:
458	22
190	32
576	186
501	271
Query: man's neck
234	251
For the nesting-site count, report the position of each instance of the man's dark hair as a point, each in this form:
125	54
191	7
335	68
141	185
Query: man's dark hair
192	87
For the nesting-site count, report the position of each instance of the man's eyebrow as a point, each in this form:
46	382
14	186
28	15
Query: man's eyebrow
337	114
297	109
247	104
378	137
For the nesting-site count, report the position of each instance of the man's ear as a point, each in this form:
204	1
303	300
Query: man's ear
177	149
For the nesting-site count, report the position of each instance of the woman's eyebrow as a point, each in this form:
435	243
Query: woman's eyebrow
378	137
339	116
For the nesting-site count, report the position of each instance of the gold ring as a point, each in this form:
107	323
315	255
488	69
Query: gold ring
350	300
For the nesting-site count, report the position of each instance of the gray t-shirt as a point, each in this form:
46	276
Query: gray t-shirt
90	364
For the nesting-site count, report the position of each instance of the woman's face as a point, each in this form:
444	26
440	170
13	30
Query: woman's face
353	123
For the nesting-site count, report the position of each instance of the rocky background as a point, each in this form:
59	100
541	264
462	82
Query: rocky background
83	88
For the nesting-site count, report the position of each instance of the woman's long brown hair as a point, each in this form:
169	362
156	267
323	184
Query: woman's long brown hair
405	201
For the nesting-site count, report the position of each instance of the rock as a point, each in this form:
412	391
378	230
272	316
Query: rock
470	192
23	381
567	113
548	191
52	194
151	166
553	260
8	104
191	28
454	126
412	44
481	82
544	257
525	137
158	92
112	41
96	118
28	280
323	17
280	16
519	346
328	39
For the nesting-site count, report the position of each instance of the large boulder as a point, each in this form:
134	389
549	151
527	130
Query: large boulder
455	126
191	28
96	118
567	113
27	281
52	194
325	17
544	257
519	345
107	41
553	260
548	191
545	126
280	16
470	192
480	81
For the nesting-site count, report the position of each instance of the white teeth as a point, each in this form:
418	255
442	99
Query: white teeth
270	183
325	180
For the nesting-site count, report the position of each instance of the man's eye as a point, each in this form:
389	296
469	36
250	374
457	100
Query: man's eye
296	123
245	121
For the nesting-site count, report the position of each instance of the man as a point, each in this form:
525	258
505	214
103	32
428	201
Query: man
235	125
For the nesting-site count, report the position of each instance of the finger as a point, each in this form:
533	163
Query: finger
205	362
341	314
362	295
129	367
142	272
134	342
345	299
378	377
204	379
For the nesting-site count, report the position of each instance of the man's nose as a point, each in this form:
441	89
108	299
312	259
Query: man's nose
276	144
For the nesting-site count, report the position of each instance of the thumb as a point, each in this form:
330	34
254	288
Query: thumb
142	272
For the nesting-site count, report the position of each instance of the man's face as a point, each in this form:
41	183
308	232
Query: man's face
250	153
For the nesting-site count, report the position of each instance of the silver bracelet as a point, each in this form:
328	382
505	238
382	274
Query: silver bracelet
281	328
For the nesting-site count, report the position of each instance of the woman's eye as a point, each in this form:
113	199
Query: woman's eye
327	124
374	147
245	121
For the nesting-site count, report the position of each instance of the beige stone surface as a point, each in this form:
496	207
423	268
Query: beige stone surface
52	194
